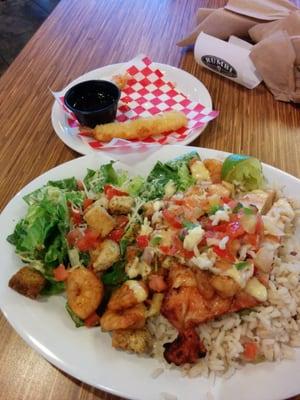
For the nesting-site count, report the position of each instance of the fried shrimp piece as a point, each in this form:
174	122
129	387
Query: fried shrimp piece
135	340
84	292
141	128
27	281
130	318
214	167
132	292
121	80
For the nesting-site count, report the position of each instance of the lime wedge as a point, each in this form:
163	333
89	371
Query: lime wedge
245	170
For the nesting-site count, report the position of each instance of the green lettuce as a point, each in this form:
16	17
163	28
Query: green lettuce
39	237
176	171
106	174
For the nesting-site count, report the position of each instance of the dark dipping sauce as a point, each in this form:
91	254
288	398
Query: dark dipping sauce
93	102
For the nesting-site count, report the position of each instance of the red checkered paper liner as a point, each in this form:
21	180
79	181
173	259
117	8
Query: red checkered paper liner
147	93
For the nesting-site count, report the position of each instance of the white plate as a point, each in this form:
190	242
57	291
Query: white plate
87	354
185	83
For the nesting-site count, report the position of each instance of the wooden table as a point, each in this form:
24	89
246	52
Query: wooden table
80	36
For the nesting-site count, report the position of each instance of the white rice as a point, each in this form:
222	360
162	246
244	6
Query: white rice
275	326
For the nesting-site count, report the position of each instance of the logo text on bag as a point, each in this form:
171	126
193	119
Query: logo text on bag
219	65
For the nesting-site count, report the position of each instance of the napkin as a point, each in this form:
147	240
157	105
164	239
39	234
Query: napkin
290	24
277	59
237	18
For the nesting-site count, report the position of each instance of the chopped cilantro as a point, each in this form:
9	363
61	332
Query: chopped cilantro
189	225
214	209
241	265
237	208
248	211
156	240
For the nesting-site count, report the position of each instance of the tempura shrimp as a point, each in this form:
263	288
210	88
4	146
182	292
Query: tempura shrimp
130	318
84	292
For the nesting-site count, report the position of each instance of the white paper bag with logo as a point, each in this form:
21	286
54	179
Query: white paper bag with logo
229	59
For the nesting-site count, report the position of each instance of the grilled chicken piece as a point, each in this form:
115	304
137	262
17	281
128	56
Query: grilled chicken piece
186	348
261	199
187	306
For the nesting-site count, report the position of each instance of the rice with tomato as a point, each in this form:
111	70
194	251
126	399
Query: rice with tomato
196	265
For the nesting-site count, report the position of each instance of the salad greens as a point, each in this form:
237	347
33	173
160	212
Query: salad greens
176	171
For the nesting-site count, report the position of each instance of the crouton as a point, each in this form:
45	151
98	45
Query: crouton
99	220
199	171
27	281
105	255
137	341
261	199
102	201
121	204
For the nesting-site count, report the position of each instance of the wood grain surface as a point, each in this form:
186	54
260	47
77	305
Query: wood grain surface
81	35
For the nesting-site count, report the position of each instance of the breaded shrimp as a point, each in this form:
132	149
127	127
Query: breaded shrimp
141	128
215	168
131	293
130	318
84	292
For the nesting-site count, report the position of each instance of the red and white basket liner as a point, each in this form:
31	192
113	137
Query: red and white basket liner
146	94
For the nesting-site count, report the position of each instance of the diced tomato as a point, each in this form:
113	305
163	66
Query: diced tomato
234	229
250	351
219	228
259	225
79	185
223	253
121	221
206	223
111	191
232	246
142	241
172	219
253	239
75	216
91	235
167	250
116	234
226	200
88	241
187	254
87	202
60	273
179	202
92	320
156	283
72	236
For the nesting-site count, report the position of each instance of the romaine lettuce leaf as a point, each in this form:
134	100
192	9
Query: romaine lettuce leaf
95	180
176	171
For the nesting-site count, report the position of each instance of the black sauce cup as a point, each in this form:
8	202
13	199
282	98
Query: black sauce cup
93	102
